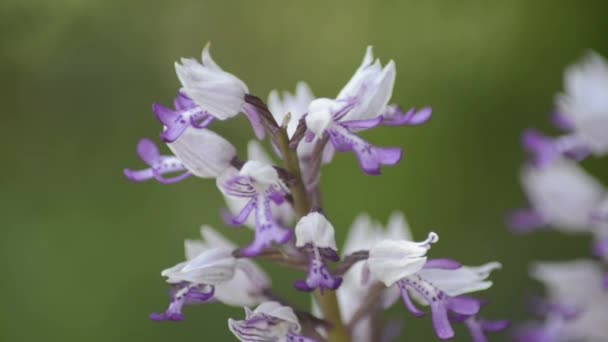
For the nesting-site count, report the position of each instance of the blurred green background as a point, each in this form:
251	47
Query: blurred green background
82	248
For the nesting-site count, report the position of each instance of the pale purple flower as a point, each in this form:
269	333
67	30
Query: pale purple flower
193	281
260	185
269	322
159	165
582	111
315	233
575	308
561	195
362	104
207	93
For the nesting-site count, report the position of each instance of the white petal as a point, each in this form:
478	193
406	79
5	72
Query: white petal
392	260
275	309
214	90
245	288
213	266
315	229
296	105
462	280
563	194
319	115
203	152
193	248
260	173
397	227
255	151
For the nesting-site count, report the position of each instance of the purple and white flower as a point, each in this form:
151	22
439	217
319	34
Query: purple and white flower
562	195
441	284
208	93
270	321
582	111
362	104
194	281
364	234
248	285
575	308
159	165
315	233
259	184
202	153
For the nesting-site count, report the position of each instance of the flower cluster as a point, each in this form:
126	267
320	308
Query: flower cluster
281	203
564	197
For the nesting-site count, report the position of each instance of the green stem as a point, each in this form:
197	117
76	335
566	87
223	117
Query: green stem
328	301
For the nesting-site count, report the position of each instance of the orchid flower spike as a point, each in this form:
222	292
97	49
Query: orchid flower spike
317	234
270	321
562	195
362	104
194	280
208	93
259	183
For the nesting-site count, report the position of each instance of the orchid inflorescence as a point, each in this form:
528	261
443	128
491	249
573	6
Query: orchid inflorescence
282	204
565	198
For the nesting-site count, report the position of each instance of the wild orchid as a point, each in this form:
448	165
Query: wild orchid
281	203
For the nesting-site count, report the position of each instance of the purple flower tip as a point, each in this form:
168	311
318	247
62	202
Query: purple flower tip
161	317
541	147
523	221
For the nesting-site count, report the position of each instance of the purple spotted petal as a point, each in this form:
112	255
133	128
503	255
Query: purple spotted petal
183	294
444	264
394	116
242	216
525	221
370	157
411	307
267	230
318	276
